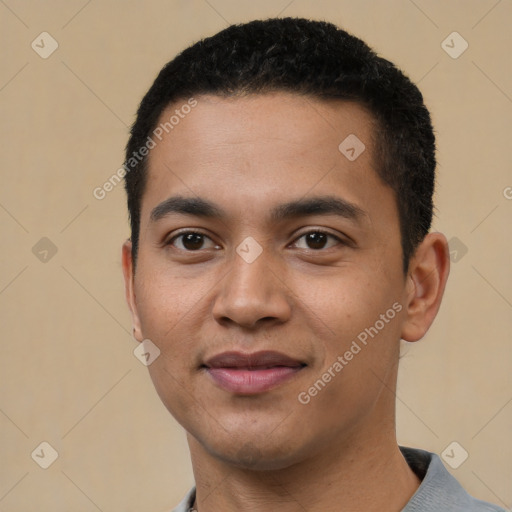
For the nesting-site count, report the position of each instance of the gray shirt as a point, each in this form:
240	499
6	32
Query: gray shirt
438	492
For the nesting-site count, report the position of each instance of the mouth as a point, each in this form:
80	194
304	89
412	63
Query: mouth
251	374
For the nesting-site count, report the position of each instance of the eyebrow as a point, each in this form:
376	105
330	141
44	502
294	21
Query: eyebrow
320	205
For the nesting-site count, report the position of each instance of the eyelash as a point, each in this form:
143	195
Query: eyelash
321	231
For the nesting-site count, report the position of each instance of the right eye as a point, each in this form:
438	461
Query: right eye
191	241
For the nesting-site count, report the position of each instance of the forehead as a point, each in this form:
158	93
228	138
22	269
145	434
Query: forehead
299	122
256	150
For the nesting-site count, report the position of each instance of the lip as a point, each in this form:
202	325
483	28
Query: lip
250	374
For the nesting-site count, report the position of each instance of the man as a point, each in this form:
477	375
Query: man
280	178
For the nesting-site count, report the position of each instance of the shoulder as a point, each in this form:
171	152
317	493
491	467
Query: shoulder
439	490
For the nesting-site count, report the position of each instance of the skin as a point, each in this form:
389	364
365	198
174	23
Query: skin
269	451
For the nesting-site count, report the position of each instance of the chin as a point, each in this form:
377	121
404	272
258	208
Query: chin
253	452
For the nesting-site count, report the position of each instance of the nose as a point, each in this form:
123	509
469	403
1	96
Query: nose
252	294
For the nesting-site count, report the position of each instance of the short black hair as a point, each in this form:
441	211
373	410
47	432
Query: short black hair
307	57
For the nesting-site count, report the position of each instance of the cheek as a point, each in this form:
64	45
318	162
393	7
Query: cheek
343	303
355	319
163	302
166	306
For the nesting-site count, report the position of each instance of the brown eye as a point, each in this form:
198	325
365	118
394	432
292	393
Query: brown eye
191	241
317	240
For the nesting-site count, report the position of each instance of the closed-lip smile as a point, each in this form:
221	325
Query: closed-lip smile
251	373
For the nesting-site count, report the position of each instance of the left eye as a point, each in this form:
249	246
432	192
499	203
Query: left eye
318	239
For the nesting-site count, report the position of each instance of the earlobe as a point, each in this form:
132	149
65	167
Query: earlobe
426	281
127	263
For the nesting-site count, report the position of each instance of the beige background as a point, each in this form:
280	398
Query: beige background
67	370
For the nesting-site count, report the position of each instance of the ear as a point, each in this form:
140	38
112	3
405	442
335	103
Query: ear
426	280
128	273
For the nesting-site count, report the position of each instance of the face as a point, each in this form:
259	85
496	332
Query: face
269	275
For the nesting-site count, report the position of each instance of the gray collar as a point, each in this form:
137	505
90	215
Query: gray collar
438	492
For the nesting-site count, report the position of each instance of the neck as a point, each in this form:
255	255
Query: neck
354	477
355	468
